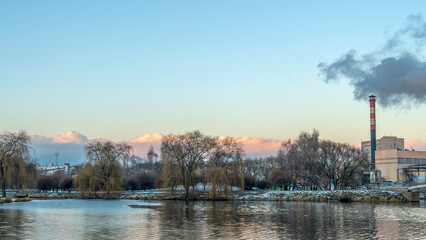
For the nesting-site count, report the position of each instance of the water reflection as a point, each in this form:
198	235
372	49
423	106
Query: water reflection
98	219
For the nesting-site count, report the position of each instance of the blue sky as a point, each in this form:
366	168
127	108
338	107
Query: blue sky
118	70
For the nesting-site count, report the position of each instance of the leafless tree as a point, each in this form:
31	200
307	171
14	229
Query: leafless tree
340	165
182	155
314	163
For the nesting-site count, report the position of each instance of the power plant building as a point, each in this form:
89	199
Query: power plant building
394	161
384	143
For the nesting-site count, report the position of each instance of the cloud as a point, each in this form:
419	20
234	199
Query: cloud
258	147
37	139
142	143
416	144
70	137
396	73
148	138
70	146
252	146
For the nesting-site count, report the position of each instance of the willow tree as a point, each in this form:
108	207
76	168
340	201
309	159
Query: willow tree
85	182
182	156
105	157
14	150
225	166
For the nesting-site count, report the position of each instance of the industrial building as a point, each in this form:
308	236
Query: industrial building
394	161
395	164
388	157
384	143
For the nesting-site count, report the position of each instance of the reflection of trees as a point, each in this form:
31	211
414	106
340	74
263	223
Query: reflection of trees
304	220
177	219
224	220
200	220
16	224
322	220
266	220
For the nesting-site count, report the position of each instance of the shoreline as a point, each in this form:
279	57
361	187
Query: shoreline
363	196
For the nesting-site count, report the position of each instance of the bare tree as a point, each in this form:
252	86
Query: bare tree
314	163
340	165
106	158
14	148
288	160
182	155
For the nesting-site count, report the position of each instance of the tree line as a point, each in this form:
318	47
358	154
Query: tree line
189	163
311	163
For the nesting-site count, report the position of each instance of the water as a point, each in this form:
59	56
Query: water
112	219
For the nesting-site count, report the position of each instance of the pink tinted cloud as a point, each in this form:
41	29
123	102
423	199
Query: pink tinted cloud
260	146
252	145
142	143
416	144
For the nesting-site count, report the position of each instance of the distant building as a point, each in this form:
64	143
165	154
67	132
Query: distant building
393	160
49	169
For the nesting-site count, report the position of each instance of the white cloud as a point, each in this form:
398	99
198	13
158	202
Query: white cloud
70	137
155	137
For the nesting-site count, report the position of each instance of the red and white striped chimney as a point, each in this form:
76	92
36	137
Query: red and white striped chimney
373	130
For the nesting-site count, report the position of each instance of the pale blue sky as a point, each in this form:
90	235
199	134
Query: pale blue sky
119	69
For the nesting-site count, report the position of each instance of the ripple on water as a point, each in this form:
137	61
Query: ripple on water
100	219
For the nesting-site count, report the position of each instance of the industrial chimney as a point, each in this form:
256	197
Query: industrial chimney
373	130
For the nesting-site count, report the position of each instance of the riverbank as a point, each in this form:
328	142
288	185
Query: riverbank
11	200
256	195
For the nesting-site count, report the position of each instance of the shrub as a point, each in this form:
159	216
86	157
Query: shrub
45	183
141	181
262	184
131	183
66	183
146	181
249	182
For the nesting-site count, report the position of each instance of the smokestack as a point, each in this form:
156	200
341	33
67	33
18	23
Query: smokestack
373	130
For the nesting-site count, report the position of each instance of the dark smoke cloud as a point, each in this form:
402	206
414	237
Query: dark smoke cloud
396	74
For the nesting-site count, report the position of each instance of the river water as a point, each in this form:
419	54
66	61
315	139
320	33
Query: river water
113	219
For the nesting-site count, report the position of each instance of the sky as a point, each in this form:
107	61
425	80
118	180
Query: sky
263	70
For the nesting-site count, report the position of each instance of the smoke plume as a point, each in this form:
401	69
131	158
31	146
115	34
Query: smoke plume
395	73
